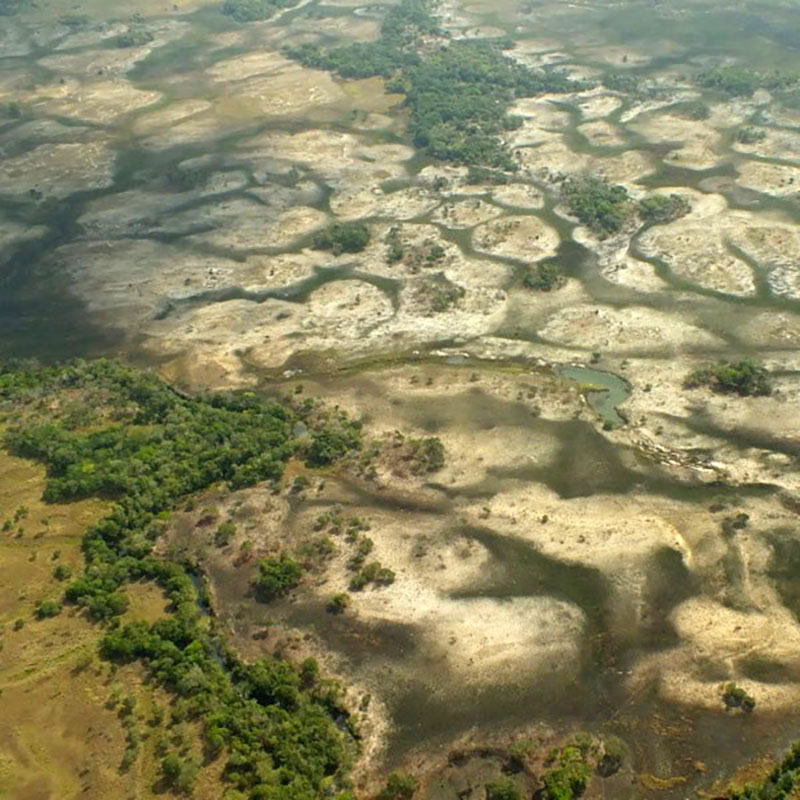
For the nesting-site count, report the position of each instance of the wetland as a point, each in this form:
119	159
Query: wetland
515	229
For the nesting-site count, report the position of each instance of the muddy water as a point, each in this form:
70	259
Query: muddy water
41	315
604	391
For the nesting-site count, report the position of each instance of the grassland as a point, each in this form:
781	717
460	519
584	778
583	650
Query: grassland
61	734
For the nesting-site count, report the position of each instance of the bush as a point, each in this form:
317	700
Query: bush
735	697
695	110
544	277
62	572
597	203
47	608
426	455
503	789
612	758
660	209
345	237
399	787
744	378
178	773
332	442
740	82
276	577
224	533
249	10
567	780
338	604
748	135
135	36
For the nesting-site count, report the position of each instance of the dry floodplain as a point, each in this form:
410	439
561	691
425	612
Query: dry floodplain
573	564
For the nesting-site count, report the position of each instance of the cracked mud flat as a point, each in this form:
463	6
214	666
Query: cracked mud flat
190	176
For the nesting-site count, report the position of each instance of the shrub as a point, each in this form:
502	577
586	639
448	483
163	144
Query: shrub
426	455
344	237
338	604
135	36
735	697
62	572
748	135
743	378
224	533
622	82
248	10
399	787
659	208
47	608
691	109
503	789
332	442
612	758
544	277
178	773
739	81
568	778
597	203
276	577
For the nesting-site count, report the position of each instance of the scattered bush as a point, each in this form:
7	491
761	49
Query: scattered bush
372	573
62	572
395	250
438	292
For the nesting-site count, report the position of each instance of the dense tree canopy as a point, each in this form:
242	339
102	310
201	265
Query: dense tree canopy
458	92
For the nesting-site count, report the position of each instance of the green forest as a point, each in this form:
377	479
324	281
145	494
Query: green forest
458	92
104	430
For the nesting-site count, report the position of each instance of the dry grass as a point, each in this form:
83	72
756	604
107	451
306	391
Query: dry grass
59	735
